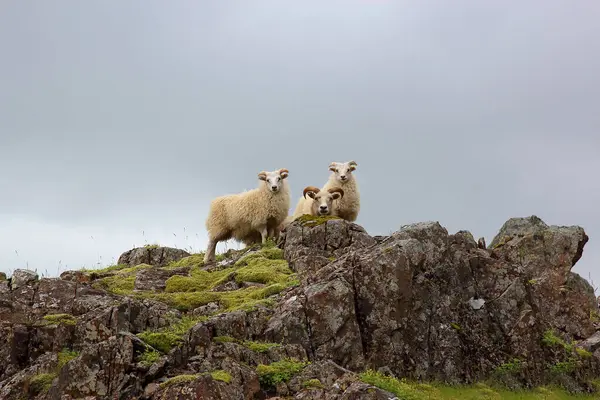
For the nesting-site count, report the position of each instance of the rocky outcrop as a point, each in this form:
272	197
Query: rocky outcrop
152	255
420	303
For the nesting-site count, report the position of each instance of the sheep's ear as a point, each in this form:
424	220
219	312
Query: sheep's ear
336	195
333	166
311	194
262	176
284	173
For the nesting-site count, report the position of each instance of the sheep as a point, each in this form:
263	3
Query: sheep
321	201
318	203
342	177
247	215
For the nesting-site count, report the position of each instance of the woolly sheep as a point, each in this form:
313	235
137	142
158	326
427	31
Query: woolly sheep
320	202
244	216
342	176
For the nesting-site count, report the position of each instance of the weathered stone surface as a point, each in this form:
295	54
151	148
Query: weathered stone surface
22	277
75	276
518	227
203	387
407	302
420	303
152	255
206	309
155	278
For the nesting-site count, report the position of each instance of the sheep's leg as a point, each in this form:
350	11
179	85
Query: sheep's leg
271	232
264	233
210	251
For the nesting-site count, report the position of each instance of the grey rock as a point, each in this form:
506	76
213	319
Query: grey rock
22	278
152	255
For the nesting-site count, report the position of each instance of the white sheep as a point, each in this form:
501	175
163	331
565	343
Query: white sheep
318	203
247	215
342	177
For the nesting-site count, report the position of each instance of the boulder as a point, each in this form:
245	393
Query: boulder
22	278
156	256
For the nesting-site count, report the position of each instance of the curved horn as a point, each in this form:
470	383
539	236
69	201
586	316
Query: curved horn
282	170
336	189
353	163
310	189
262	175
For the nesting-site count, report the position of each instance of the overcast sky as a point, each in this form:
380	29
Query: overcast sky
119	121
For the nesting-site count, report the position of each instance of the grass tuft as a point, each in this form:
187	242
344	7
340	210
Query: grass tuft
280	371
169	337
178	379
221	375
57	319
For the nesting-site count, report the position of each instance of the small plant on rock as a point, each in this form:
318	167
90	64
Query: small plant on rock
280	371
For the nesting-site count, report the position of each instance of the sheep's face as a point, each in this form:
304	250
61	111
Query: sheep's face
274	179
323	201
343	171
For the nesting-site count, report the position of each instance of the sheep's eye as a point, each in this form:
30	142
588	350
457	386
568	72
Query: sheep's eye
278	178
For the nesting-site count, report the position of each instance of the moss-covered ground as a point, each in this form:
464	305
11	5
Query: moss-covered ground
257	347
168	337
56	319
265	268
280	371
416	391
311	220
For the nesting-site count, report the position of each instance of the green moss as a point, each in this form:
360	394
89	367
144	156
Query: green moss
162	341
264	266
311	220
116	284
564	367
194	260
166	338
267	253
56	319
109	269
551	339
221	375
151	246
41	383
407	390
65	356
224	339
455	326
178	379
199	280
280	371
594	316
513	367
400	388
260	347
149	357
313	383
583	353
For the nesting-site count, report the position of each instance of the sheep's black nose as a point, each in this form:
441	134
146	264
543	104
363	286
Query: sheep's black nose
274	187
342	177
323	207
